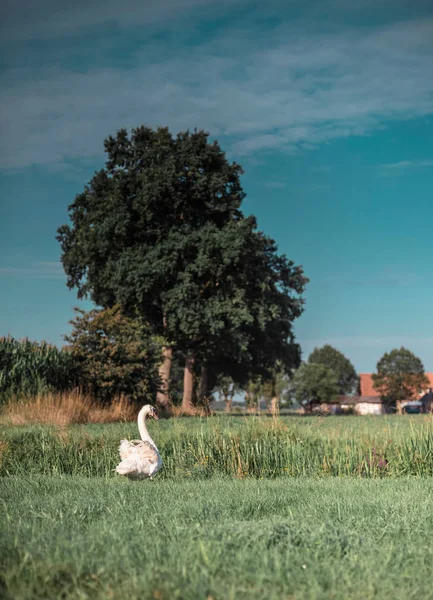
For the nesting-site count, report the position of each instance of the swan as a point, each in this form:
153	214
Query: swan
140	458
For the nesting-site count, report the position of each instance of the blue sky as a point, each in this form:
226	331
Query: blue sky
328	107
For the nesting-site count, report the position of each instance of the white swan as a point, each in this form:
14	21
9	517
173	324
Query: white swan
140	458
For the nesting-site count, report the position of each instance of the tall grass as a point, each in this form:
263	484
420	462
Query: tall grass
29	368
243	448
67	408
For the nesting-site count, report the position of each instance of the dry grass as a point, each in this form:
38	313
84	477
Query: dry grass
68	408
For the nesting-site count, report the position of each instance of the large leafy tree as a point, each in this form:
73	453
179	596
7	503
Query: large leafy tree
315	383
348	380
242	300
114	355
400	375
160	232
132	226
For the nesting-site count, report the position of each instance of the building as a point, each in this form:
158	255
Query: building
369	402
367	389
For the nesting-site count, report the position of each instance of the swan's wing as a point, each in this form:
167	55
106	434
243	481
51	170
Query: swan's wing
138	449
124	449
139	459
145	451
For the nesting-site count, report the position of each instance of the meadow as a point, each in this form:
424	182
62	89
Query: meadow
245	507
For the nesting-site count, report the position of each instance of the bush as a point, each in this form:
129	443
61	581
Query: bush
115	355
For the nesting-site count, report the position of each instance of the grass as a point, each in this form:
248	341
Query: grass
77	537
245	507
67	408
237	447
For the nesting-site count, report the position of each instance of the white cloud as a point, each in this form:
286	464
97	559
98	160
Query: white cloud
298	88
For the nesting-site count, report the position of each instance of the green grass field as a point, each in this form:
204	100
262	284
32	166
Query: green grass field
238	511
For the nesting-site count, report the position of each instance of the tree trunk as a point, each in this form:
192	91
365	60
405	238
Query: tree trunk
229	403
163	397
188	384
204	398
274	406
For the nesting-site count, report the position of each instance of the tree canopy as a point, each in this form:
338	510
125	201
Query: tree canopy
315	383
160	232
400	375
348	380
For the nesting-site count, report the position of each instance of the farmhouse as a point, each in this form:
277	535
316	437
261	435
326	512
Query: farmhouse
369	402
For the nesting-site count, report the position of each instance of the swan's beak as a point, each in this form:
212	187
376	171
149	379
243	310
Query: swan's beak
155	416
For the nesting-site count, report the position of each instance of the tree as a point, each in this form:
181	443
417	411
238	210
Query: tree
400	375
241	302
226	388
315	383
253	393
132	229
160	232
275	388
348	380
114	355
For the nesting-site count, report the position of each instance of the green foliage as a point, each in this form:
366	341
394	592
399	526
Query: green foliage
131	227
400	376
348	380
315	383
29	368
160	232
115	355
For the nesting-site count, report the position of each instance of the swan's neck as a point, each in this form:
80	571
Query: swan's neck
144	434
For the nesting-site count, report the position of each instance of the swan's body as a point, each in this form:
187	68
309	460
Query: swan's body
140	459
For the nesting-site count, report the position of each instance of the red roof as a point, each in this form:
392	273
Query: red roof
367	388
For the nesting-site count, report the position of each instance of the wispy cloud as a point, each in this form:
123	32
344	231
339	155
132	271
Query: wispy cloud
24	20
406	164
40	269
301	88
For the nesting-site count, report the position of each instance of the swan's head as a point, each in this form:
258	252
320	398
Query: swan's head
150	412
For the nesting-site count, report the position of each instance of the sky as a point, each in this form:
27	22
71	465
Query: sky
327	105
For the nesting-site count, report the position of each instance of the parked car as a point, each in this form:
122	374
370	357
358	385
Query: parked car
413	407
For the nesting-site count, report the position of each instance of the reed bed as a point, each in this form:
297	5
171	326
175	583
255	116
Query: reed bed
237	447
62	409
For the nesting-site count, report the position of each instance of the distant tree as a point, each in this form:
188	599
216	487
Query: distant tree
315	383
348	380
114	355
275	389
400	376
226	389
253	393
